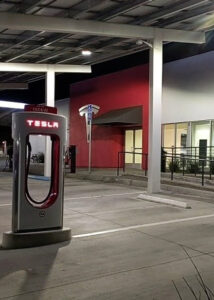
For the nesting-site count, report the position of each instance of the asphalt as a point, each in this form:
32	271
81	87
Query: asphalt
122	247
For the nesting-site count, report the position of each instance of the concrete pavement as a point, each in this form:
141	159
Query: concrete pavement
122	247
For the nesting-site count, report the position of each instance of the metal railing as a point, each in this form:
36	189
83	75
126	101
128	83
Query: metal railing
174	163
187	164
203	151
6	163
121	160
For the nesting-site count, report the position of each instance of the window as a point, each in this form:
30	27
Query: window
168	136
201	138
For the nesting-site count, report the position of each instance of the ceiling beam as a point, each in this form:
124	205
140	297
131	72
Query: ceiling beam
197	12
13	86
144	20
121	9
25	5
207	26
8	41
168	11
20	53
35	43
24	67
83	5
88	27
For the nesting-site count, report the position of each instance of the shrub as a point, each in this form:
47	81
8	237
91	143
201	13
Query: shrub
174	166
212	166
193	167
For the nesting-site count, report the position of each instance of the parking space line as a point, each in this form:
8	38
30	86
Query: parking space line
99	196
92	214
142	226
86	197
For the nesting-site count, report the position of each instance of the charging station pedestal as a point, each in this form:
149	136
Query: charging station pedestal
37	223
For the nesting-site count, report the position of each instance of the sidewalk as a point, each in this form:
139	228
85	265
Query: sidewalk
186	185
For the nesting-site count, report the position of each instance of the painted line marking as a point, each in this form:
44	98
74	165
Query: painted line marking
85	197
99	196
142	226
93	214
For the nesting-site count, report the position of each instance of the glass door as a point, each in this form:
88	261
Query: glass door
129	146
201	138
138	146
133	143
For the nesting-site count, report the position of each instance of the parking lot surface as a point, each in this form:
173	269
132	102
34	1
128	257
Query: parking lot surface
121	248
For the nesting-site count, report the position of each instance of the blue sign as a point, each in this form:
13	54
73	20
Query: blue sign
89	108
90	112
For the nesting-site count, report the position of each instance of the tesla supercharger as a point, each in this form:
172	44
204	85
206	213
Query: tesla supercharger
44	217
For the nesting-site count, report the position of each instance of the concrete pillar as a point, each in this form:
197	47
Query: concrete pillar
155	99
50	101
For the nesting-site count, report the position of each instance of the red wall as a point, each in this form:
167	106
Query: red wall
113	91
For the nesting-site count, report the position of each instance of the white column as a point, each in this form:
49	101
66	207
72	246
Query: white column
50	101
155	99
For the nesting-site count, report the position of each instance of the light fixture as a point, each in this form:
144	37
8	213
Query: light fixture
9	104
86	52
141	42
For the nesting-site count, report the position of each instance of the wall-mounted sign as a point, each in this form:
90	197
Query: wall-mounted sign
41	108
88	111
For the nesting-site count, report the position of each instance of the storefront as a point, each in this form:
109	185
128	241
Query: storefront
189	137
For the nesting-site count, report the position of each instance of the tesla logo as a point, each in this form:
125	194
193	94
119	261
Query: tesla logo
42	124
42	214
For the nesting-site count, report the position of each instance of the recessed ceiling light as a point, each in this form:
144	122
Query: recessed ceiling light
86	52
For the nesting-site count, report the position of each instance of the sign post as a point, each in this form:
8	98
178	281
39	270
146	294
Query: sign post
88	111
89	138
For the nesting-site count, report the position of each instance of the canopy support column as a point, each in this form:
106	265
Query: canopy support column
155	99
50	101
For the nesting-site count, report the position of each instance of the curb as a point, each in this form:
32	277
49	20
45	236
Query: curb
157	199
184	190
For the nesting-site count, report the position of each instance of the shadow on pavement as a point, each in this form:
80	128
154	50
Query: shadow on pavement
29	268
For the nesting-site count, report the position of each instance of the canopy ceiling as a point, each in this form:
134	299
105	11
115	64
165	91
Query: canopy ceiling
36	46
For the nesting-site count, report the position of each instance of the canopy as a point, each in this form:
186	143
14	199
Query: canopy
120	117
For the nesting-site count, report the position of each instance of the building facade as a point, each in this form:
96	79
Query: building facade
187	111
115	93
